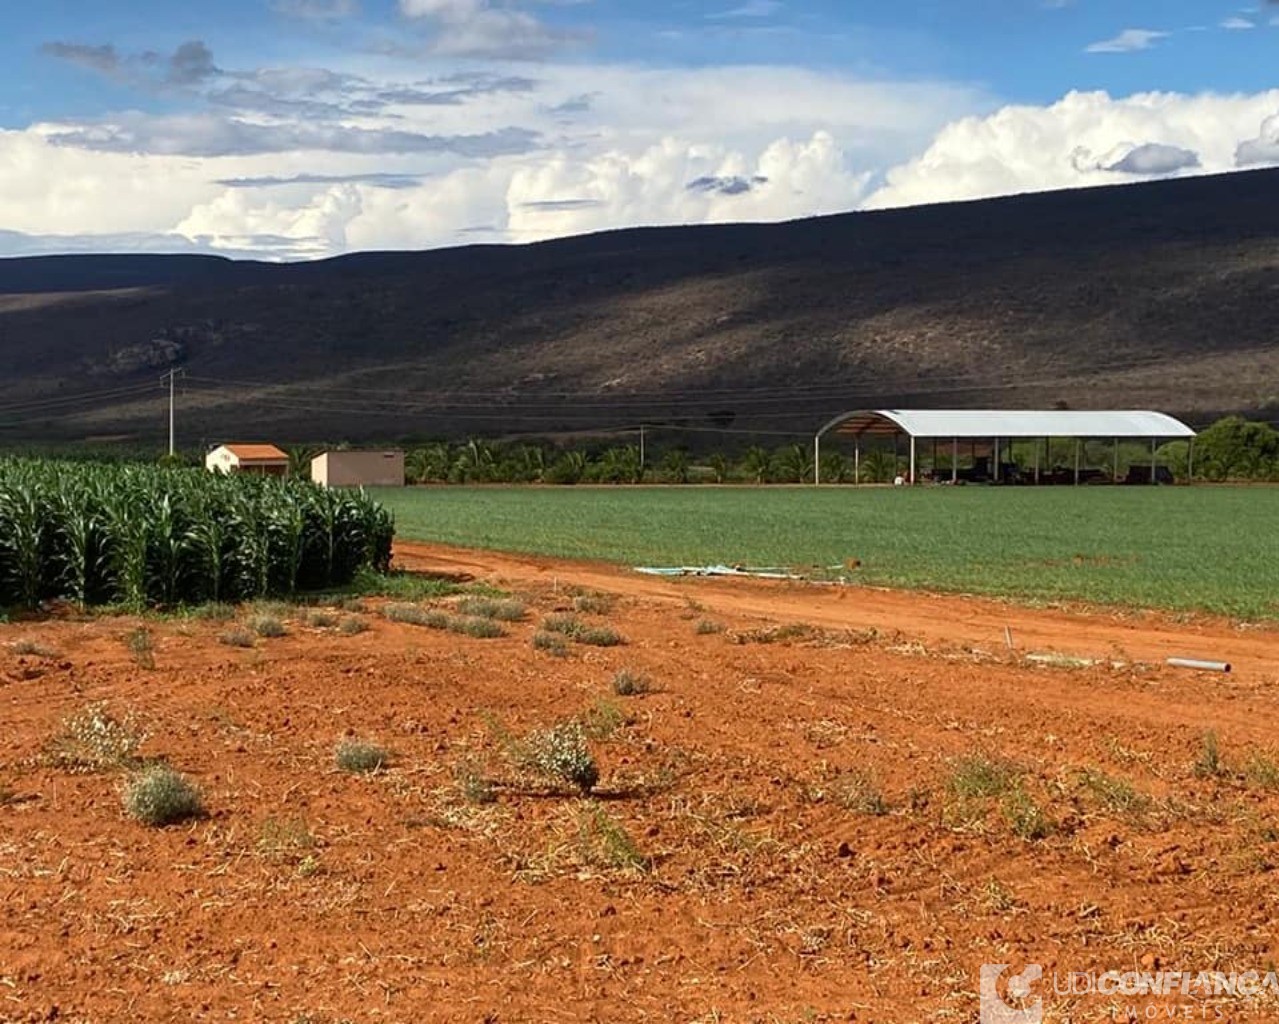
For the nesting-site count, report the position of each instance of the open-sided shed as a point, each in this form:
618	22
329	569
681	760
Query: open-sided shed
997	426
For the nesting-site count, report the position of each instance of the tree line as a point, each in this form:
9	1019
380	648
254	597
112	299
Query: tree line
1231	449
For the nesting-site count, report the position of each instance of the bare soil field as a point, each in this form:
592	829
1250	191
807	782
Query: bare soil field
825	805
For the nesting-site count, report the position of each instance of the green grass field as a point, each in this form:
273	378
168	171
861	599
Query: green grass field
1206	548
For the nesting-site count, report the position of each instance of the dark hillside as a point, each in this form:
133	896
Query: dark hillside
1160	295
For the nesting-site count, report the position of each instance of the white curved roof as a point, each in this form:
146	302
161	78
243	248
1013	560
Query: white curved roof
1011	423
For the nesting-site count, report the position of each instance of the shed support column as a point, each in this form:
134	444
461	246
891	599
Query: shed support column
1114	449
954	460
912	459
817	460
857	459
1076	462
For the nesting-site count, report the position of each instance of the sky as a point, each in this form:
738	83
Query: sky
299	129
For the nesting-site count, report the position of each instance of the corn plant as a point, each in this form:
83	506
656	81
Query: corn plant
149	535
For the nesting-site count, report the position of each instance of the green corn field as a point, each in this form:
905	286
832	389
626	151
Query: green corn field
151	536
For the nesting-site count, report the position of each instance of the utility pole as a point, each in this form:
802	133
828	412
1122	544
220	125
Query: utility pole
171	377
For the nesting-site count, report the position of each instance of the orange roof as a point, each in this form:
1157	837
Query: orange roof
256	452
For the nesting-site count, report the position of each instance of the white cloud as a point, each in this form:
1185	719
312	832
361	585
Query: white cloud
1084	139
482	28
1264	149
1238	24
752	9
296	162
1128	41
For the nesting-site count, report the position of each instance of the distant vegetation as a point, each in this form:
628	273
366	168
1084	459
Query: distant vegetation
1231	449
144	536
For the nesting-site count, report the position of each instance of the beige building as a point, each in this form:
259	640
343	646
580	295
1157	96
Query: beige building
359	469
264	459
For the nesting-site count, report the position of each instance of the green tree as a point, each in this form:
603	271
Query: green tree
718	464
675	465
755	464
834	468
1234	447
792	464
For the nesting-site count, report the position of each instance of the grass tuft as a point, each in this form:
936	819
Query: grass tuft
708	627
415	615
352	626
141	647
360	757
565	625
481	629
1208	764
551	643
34	648
318	618
594	603
599	636
501	609
857	790
161	796
603	842
1025	817
236	636
267	625
631	684
977	776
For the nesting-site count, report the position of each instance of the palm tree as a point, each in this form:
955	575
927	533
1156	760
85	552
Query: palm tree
755	464
719	466
675	465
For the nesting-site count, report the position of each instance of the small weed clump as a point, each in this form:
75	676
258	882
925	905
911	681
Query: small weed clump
267	625
599	636
1209	765
708	627
318	618
551	643
473	785
1262	771
603	719
561	753
594	603
979	775
1025	817
360	757
631	684
33	648
481	629
236	636
565	625
856	790
415	615
603	842
501	609
352	626
161	796
1117	796
213	611
141	647
96	740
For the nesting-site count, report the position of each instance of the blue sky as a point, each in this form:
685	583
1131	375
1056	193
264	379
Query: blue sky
294	128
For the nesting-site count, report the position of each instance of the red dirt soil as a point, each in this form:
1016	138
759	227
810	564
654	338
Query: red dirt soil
734	863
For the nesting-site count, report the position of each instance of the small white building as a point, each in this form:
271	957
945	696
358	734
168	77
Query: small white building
359	469
263	459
